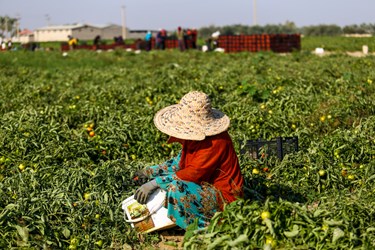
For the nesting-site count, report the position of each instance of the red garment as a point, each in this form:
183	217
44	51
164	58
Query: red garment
213	161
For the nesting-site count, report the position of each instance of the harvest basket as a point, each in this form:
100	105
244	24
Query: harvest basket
280	146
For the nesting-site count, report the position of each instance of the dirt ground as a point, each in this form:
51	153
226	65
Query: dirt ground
171	239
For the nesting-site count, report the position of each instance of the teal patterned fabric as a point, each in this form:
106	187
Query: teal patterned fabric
186	200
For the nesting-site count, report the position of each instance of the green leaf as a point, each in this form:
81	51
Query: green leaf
333	222
240	239
11	206
268	223
337	234
66	233
294	233
217	242
23	233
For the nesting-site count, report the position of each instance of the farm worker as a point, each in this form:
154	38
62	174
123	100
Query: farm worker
194	37
205	174
158	40
180	38
96	42
163	38
72	42
148	38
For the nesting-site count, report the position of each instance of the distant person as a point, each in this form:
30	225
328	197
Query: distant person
118	40
158	40
215	39
194	37
148	38
96	42
187	34
72	42
180	38
10	44
163	38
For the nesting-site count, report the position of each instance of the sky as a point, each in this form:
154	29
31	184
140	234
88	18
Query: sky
169	14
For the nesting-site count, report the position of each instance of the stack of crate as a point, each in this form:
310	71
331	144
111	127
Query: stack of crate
279	146
255	43
285	43
171	43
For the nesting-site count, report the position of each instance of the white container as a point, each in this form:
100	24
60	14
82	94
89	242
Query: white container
149	217
319	51
365	49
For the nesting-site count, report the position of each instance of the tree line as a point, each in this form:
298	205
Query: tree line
290	28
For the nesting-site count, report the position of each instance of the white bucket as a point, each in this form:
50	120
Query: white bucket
365	49
319	51
149	217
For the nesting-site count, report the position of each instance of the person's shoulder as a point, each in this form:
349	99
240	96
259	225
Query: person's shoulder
219	140
222	136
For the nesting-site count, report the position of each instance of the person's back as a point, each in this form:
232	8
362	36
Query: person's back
213	161
148	36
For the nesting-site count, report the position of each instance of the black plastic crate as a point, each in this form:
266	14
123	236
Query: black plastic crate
280	146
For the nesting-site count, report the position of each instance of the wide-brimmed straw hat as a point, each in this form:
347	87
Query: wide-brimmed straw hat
193	118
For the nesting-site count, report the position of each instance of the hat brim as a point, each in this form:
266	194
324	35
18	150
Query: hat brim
170	121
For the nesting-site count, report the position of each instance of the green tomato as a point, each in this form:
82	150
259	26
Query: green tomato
322	172
21	167
265	215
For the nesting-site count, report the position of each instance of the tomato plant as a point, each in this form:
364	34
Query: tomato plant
73	130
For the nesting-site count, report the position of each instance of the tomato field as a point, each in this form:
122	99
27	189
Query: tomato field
74	128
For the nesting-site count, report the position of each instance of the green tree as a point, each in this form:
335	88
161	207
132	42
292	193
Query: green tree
322	30
8	26
359	29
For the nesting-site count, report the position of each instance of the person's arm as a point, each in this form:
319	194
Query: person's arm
201	167
164	169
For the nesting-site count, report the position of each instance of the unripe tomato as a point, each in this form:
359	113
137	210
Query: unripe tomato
86	196
322	172
265	215
21	167
255	171
270	241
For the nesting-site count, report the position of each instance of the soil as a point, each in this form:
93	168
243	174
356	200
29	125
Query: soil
171	239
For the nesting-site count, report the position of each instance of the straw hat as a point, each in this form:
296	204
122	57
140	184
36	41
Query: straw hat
192	119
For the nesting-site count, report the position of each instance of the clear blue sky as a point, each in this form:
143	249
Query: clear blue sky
168	14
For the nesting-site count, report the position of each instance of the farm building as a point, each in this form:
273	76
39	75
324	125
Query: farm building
79	31
25	36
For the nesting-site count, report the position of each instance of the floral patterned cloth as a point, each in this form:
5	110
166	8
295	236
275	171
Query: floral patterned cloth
186	200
